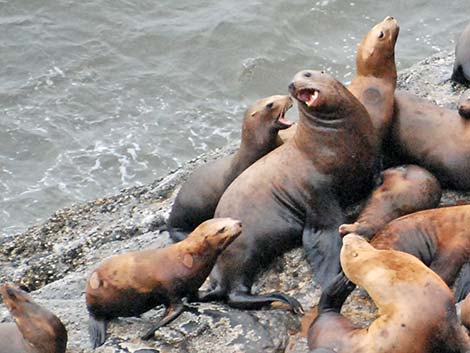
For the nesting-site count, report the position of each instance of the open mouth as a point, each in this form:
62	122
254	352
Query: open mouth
281	120
308	95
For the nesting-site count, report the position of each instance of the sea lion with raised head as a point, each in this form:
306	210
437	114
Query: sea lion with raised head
405	189
432	137
295	193
416	308
461	71
133	283
198	197
440	238
36	329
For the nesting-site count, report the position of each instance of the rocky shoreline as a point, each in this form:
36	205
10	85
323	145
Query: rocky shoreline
54	259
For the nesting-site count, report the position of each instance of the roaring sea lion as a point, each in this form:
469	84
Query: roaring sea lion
296	192
461	72
464	105
376	76
440	238
133	283
36	330
198	197
416	308
405	189
435	138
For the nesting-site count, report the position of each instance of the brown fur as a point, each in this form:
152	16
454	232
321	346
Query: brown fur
404	190
37	330
416	308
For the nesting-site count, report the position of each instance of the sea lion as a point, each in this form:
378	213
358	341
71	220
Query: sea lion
464	105
461	71
464	308
432	137
295	193
36	330
198	197
133	283
376	76
405	189
440	238
416	308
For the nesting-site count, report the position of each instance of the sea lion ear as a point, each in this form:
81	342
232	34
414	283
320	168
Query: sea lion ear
188	260
254	113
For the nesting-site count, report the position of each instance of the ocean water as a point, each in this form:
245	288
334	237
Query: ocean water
100	95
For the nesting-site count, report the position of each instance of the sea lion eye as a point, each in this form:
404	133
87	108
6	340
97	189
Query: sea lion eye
269	105
381	34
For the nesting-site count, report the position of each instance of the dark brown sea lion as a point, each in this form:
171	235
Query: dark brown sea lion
133	283
198	197
376	75
440	238
36	330
464	105
435	138
416	308
405	189
296	192
461	71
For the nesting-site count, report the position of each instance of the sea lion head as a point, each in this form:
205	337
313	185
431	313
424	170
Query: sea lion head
464	105
269	111
216	233
320	96
376	53
42	329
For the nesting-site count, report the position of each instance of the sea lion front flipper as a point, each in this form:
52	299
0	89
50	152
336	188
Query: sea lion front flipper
335	294
462	285
171	313
242	300
321	240
97	331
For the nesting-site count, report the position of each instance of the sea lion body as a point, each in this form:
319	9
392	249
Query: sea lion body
295	191
440	238
198	197
416	308
432	137
36	330
132	283
404	190
461	71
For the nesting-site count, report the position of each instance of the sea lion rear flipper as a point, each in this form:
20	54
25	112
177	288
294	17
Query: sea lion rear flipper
321	240
242	300
97	331
335	294
462	285
171	313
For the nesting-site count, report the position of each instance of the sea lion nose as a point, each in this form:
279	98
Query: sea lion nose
292	86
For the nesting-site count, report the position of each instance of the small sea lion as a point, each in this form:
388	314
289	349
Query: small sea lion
440	238
133	283
461	71
295	193
416	308
432	137
198	197
464	105
405	189
36	330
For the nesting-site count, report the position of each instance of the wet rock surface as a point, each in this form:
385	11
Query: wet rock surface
55	258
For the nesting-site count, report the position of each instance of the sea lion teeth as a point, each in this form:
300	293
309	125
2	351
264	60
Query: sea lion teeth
312	99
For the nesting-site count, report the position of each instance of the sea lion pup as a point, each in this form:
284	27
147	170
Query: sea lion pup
464	105
461	71
36	330
376	76
133	283
416	308
295	192
432	137
198	197
440	238
405	189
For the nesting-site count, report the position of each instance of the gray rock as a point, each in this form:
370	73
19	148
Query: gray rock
54	259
